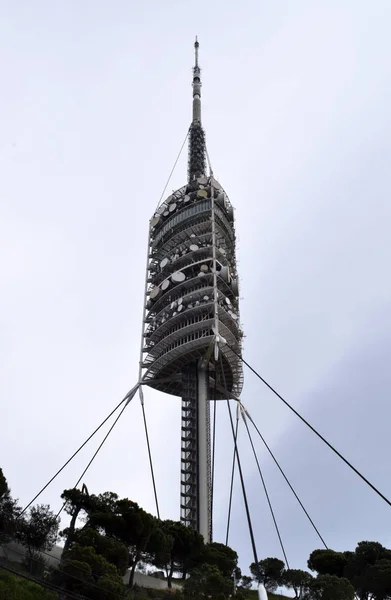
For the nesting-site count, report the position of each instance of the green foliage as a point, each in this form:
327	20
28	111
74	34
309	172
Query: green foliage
331	587
269	571
368	568
112	550
208	580
246	582
299	581
221	556
378	579
38	531
328	562
8	511
186	547
85	572
16	588
125	521
158	550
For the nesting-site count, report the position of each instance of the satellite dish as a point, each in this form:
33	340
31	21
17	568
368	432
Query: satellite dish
165	285
164	262
220	200
202	180
186	199
155	221
155	293
215	183
193	247
180	300
178	277
224	273
206	298
180	307
228	301
166	213
235	287
202	194
172	207
204	268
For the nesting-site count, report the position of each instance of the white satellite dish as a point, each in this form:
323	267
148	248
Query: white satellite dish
178	277
155	292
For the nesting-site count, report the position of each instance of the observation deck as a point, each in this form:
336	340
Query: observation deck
192	291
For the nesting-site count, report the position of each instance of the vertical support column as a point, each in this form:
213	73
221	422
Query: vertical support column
189	448
204	516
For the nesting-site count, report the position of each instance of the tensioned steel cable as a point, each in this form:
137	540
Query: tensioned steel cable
267	495
73	455
231	487
213	446
95	454
320	436
243	487
150	458
173	169
287	480
250	527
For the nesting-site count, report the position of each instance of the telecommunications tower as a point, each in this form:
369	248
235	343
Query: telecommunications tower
191	313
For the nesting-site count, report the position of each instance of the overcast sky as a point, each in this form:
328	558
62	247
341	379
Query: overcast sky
95	103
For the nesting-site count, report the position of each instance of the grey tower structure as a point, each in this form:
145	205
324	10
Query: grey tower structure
190	311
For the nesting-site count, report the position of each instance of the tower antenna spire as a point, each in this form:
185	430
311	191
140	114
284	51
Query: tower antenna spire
197	148
196	85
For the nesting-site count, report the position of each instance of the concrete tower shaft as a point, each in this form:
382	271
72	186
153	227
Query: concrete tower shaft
192	296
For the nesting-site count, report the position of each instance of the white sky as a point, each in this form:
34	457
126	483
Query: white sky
95	103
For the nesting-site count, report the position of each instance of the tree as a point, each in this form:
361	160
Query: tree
208	581
378	579
127	522
331	587
38	531
221	556
74	502
269	571
8	511
112	550
186	546
328	562
158	549
13	587
246	582
83	571
299	581
368	570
